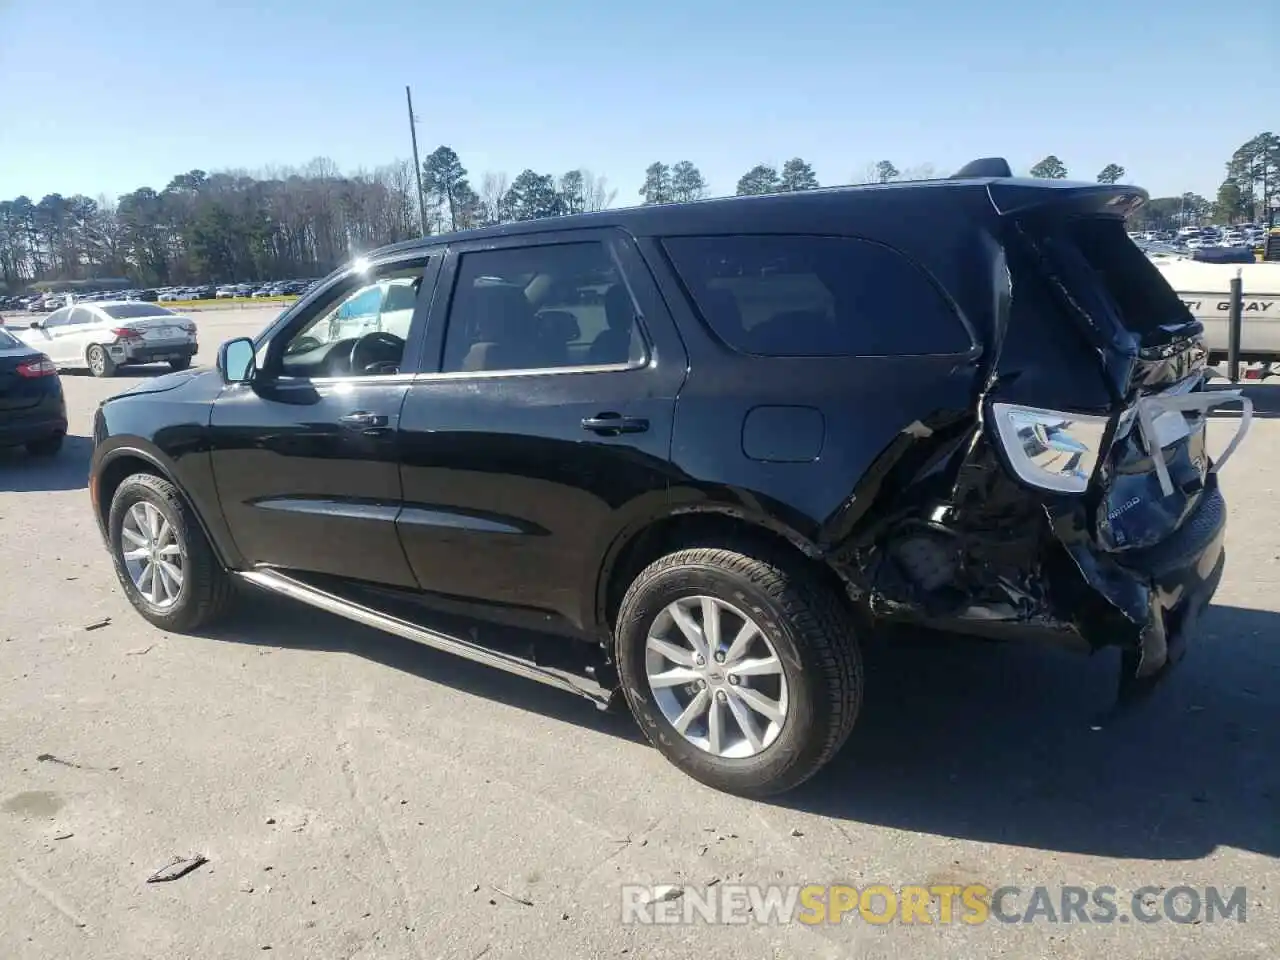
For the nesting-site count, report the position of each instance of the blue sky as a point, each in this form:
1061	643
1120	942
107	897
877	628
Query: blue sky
109	96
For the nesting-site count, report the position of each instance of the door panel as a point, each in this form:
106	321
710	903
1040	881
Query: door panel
48	338
307	465
510	499
302	490
82	329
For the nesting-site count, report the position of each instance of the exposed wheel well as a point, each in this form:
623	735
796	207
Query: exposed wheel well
126	465
113	475
703	529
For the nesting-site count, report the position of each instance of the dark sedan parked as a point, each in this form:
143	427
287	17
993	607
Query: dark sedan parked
32	409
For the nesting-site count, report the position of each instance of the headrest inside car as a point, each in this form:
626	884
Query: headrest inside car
559	326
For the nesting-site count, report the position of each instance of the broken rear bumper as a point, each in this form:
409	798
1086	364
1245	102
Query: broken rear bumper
1161	591
1076	594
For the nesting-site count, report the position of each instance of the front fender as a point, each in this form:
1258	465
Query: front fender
172	441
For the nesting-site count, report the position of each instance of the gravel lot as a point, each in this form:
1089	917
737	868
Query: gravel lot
358	796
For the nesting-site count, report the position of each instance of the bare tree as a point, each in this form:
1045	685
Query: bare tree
869	174
597	192
494	187
924	171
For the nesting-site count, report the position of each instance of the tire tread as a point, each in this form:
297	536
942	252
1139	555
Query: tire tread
211	588
821	624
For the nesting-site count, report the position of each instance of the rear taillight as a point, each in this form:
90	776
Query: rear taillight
127	333
1054	450
39	367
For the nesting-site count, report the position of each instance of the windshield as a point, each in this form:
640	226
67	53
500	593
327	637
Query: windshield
135	311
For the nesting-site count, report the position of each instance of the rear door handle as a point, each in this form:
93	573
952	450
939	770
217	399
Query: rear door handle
373	424
612	424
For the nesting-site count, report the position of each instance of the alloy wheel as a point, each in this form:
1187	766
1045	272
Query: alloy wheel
716	677
152	553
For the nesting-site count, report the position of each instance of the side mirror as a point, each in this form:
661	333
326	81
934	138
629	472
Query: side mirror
36	324
236	360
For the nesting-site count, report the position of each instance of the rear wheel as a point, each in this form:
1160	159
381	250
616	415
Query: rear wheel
100	363
45	446
162	557
741	667
180	364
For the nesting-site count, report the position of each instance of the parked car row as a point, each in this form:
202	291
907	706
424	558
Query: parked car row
1244	235
276	288
45	302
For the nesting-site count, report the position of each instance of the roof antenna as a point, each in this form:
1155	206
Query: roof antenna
985	167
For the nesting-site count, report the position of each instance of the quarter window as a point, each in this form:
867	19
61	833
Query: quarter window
802	296
540	307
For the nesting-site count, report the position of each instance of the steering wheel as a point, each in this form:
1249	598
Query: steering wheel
376	352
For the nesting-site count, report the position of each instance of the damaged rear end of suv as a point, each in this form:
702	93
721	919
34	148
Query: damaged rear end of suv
1082	504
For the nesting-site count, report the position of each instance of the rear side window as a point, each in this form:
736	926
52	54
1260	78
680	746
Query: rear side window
800	296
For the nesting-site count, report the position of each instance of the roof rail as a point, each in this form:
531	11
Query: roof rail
985	167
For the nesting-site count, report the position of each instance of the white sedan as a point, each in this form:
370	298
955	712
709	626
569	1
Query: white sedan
107	335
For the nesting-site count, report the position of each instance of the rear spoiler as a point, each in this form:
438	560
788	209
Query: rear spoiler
1015	196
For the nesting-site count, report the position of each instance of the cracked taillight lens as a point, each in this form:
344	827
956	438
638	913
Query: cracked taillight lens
1050	449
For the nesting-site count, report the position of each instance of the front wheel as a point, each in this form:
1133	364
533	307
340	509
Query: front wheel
162	557
742	668
100	363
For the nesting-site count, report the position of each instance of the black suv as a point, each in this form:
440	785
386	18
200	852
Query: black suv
695	454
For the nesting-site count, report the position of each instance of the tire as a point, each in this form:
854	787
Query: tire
45	446
205	590
99	361
181	364
804	622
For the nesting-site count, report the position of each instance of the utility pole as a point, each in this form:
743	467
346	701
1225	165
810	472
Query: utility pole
417	164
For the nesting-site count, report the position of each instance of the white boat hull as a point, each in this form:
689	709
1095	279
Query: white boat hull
1205	288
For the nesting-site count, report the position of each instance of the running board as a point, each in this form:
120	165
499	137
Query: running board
287	586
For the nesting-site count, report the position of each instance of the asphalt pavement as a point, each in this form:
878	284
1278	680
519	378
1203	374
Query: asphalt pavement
357	796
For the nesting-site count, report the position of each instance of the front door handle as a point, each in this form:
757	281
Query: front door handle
363	420
612	424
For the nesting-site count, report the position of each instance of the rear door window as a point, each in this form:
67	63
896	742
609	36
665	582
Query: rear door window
805	296
541	307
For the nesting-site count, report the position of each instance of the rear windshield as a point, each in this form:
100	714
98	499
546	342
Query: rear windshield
7	339
804	296
1107	275
135	311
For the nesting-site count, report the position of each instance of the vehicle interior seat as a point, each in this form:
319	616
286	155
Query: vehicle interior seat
556	330
504	333
613	343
